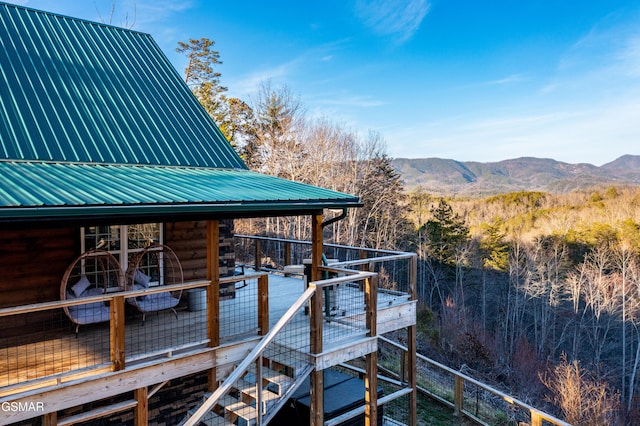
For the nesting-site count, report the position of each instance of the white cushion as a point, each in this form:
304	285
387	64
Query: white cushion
156	302
95	291
79	287
141	278
140	287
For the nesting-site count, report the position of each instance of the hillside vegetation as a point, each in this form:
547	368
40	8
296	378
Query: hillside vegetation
537	292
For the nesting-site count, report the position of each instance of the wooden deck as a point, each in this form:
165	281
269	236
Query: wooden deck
55	355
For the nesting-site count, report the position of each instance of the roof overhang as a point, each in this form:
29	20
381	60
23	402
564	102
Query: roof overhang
46	192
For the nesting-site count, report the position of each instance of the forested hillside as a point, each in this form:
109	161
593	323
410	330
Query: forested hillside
527	288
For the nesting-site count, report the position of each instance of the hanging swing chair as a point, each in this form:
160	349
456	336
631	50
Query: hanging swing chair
90	274
156	265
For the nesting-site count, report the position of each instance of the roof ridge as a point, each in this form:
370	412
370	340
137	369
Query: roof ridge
72	18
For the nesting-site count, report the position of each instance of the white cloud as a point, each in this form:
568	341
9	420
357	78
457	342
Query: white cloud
510	79
351	101
250	83
159	10
398	18
628	56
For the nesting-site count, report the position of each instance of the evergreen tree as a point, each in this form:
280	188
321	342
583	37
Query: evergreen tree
446	232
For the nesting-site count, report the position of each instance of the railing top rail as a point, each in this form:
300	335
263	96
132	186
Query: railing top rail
251	358
484	386
55	304
332	268
285	240
45	306
375	259
350	278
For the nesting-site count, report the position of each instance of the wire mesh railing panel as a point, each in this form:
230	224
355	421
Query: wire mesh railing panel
344	312
166	330
44	344
238	308
490	408
393	276
437	382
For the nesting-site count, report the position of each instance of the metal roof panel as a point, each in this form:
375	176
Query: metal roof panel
79	91
53	188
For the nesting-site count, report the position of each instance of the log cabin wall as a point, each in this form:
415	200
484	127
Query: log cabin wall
189	241
32	263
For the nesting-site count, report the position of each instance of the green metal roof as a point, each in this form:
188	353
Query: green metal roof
36	190
79	91
95	122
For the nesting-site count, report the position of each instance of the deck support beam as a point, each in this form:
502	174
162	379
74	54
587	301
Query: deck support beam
317	376
412	346
141	417
371	359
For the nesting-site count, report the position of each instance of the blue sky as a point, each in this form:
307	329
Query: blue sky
464	79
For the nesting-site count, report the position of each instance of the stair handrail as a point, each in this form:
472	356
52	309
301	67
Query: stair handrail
225	387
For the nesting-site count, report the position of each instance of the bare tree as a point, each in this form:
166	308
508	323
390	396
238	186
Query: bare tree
583	399
601	298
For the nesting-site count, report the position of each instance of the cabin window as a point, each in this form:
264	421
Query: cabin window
122	241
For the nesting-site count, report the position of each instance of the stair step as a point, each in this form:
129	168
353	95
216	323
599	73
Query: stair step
235	408
284	362
272	381
250	394
212	419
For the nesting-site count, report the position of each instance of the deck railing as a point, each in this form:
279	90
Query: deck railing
395	269
467	396
49	352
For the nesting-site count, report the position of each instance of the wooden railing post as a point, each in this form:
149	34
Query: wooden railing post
536	418
362	254
287	253
412	347
316	388
257	255
458	395
50	419
371	359
263	304
116	308
213	293
316	379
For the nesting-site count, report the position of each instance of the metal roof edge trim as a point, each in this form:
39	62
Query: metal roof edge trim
29	213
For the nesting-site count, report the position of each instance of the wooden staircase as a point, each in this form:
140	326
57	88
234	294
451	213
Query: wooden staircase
239	406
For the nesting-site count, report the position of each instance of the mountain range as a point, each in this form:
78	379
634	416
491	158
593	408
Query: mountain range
471	178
